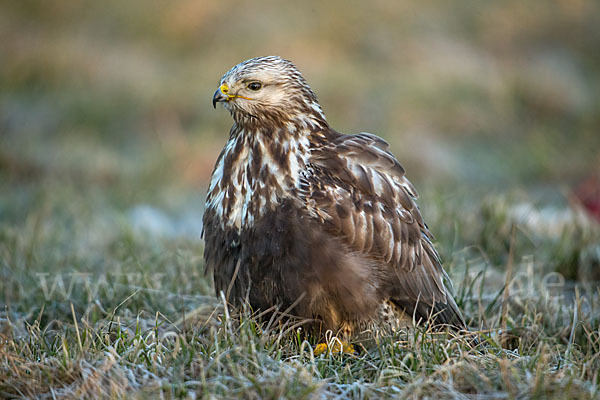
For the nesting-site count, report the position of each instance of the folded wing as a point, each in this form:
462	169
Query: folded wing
359	191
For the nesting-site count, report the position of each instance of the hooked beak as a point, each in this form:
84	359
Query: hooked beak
219	96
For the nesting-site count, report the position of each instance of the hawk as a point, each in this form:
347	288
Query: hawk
318	223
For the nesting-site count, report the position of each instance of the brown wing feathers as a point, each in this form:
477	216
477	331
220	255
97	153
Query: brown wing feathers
359	189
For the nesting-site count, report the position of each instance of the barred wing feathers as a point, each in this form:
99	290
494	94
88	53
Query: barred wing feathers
359	192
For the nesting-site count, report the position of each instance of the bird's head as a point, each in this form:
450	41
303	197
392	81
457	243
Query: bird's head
266	89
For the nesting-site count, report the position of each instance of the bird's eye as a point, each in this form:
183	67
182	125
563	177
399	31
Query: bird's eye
254	86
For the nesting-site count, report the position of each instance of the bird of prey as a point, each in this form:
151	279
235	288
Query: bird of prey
316	222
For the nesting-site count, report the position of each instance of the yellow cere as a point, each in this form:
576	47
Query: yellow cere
225	90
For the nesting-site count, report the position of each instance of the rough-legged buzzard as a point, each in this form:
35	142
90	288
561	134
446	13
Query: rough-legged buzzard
303	217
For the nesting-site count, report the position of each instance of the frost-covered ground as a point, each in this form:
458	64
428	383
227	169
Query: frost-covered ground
108	137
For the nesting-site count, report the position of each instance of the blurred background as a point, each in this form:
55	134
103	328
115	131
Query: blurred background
106	118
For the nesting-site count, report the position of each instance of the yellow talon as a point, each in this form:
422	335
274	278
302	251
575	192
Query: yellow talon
348	348
337	347
320	349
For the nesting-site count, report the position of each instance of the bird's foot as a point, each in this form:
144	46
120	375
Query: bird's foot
334	347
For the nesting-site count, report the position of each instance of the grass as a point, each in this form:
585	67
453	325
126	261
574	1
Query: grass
97	307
